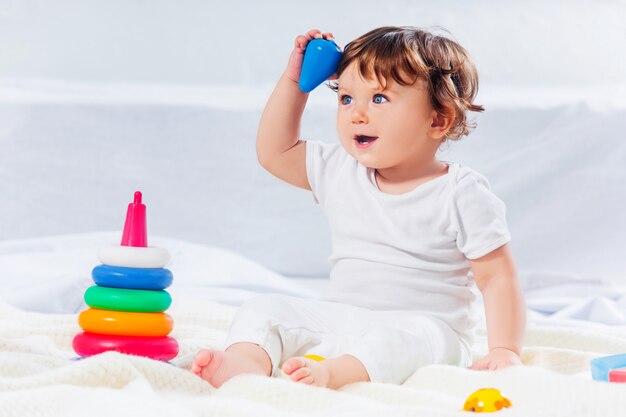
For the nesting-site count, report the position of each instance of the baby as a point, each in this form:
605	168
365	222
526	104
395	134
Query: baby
412	236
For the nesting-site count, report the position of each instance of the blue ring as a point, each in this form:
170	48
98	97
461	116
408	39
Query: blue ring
133	278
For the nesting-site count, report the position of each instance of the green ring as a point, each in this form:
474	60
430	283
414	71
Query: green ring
123	299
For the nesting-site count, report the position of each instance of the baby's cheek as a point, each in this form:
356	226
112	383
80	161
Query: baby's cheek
344	135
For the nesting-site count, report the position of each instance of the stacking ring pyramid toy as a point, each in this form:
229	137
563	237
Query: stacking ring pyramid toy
127	304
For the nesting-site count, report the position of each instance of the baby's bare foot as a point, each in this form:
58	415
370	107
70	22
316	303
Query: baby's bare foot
217	367
307	371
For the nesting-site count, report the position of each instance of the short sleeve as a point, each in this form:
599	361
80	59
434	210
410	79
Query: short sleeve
479	217
323	163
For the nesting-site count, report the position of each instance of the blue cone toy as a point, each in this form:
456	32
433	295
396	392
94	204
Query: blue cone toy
320	62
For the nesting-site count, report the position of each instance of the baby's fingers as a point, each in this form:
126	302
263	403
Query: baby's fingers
303	40
481	365
314	34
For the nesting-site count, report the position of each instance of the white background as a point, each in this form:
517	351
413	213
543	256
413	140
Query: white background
100	98
557	43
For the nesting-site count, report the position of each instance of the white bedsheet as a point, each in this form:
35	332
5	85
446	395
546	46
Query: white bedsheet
50	274
39	377
566	301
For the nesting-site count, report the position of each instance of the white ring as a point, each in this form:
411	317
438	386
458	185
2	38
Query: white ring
134	257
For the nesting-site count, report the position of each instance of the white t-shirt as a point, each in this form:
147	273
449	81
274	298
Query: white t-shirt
408	251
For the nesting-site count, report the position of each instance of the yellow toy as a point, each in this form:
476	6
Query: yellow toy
314	357
486	400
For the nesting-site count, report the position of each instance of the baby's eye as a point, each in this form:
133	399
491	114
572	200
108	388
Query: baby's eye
345	100
379	98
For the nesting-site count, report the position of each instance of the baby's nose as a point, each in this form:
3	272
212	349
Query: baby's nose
359	116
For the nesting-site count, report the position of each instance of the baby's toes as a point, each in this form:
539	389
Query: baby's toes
301	374
293	364
203	358
195	368
309	380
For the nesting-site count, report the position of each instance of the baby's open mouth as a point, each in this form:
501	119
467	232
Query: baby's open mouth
363	140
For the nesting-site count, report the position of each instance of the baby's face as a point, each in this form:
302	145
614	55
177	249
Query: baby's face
383	128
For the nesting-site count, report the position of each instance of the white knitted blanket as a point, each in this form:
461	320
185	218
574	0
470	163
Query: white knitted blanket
39	377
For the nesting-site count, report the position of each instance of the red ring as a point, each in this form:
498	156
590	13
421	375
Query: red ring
162	348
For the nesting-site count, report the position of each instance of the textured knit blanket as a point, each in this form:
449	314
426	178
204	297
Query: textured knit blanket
40	376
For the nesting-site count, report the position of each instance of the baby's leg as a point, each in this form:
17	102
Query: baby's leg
252	327
217	367
332	373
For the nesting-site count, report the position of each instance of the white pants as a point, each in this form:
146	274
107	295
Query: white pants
390	344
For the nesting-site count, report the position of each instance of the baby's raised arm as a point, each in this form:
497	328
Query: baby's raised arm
279	148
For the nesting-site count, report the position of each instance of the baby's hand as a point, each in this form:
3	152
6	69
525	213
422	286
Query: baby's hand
498	358
297	55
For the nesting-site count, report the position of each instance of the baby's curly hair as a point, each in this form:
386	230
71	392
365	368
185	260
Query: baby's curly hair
406	54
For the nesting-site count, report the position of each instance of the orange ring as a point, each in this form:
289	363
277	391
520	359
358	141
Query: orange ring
125	323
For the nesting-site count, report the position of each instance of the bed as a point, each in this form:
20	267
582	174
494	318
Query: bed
73	151
571	322
39	377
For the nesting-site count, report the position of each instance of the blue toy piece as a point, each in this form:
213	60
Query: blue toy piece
133	278
320	62
600	367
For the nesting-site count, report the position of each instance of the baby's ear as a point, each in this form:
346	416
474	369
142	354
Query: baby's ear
441	123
